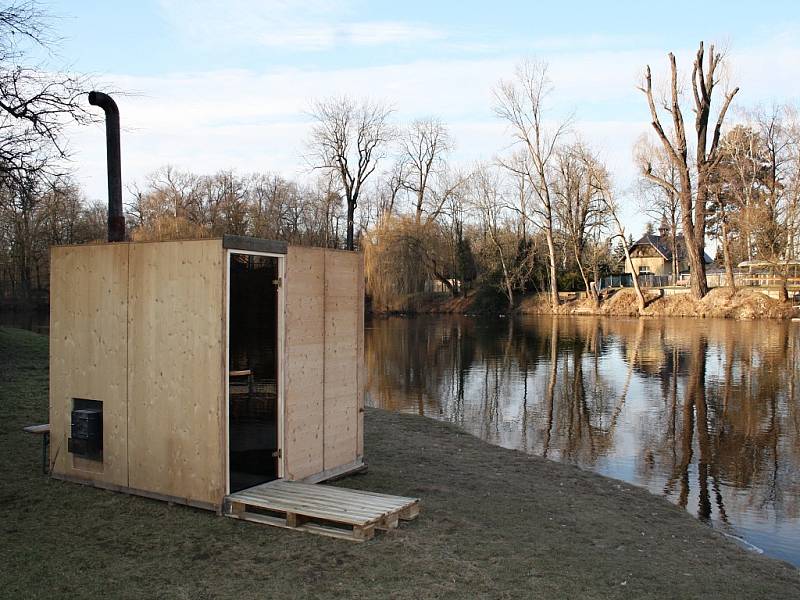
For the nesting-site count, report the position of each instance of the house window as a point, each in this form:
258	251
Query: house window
645	270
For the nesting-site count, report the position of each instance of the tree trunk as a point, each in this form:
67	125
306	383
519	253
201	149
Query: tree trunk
694	247
590	292
351	209
675	260
639	295
506	279
551	251
730	280
783	292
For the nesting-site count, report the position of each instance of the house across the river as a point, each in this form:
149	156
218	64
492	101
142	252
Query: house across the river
652	257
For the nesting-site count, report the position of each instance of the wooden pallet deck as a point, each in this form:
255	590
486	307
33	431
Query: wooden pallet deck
322	509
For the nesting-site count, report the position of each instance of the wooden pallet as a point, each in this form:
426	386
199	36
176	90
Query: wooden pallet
322	509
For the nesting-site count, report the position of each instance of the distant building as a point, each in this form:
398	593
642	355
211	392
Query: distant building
651	258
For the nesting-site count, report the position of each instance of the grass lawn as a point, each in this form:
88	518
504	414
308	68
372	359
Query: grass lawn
495	523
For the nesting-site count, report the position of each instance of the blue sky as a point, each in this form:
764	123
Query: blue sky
224	84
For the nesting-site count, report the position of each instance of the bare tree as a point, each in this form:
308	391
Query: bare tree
521	103
580	184
487	202
349	138
390	186
771	218
425	143
737	190
693	205
37	100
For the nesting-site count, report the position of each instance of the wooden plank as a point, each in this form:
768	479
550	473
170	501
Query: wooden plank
175	377
389	522
88	354
352	507
410	512
305	505
341	357
341	494
304	358
364	533
333	496
317	512
361	382
253	244
315	528
38	429
217	507
330	474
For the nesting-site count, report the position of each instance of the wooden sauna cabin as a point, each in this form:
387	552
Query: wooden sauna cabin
190	370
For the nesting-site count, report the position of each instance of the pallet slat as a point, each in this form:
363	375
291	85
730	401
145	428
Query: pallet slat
282	497
351	498
326	510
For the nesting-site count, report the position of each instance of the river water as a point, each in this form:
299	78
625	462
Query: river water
702	412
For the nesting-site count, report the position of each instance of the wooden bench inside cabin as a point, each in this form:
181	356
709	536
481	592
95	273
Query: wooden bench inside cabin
250	381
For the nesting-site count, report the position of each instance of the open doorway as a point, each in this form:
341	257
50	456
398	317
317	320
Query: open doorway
253	370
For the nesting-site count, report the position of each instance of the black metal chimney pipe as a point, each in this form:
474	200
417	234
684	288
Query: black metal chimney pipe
116	219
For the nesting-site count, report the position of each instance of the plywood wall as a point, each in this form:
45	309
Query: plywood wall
88	354
323	361
343	308
362	373
141	327
304	361
176	369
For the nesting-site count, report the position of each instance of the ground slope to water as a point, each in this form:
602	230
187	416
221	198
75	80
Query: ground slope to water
744	303
495	523
718	303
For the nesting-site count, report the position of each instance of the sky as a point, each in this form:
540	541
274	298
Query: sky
213	84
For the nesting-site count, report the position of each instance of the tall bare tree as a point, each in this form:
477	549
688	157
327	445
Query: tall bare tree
737	191
425	143
349	138
705	77
579	187
521	103
492	208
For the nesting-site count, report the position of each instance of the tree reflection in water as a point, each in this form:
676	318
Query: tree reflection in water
703	412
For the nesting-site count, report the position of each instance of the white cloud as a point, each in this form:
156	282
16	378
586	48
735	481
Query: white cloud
298	26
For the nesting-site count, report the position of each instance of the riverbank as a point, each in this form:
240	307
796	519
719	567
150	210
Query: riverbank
719	303
495	523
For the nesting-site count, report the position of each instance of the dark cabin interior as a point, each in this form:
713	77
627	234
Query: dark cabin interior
253	358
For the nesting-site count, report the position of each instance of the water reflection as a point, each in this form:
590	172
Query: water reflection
703	412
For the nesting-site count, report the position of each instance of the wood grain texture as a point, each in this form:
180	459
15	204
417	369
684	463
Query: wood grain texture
174	369
361	381
88	354
342	270
304	359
